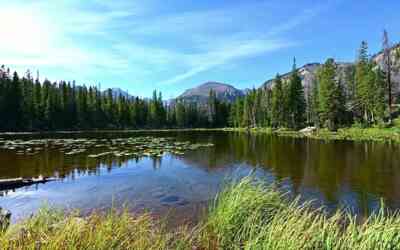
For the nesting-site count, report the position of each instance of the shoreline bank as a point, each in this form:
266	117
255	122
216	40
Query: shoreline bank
387	135
245	215
382	135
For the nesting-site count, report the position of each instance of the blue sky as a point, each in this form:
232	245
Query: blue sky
142	45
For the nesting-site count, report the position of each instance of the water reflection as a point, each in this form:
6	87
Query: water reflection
354	175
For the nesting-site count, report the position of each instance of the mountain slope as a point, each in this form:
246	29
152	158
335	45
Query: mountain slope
224	92
308	72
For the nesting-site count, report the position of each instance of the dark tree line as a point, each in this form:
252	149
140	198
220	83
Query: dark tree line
189	114
26	104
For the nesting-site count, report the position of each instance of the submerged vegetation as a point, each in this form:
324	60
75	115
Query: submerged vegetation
245	215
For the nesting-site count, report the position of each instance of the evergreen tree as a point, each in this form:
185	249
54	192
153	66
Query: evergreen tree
296	100
313	104
362	82
248	119
212	108
278	105
180	114
14	104
236	113
378	98
331	97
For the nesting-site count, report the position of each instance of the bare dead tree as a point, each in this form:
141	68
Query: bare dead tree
387	68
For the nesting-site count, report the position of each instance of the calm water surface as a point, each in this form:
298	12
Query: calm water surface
335	174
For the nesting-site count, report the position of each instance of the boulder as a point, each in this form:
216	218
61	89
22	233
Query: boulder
308	130
5	217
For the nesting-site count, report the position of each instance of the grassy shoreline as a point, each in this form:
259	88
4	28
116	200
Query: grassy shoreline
245	215
383	135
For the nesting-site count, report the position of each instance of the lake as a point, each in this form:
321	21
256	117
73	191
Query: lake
351	175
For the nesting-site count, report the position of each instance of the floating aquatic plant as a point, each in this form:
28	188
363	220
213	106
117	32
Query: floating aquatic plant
118	147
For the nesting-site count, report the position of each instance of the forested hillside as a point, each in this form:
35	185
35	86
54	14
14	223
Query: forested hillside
331	95
26	104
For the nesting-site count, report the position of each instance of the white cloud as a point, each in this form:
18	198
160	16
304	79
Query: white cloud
219	51
95	37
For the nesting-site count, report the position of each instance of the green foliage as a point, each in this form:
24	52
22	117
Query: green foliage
52	229
296	100
278	118
330	96
313	105
249	215
370	88
157	114
252	110
396	123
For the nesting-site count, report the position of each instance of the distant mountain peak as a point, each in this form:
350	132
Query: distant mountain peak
212	84
117	92
223	91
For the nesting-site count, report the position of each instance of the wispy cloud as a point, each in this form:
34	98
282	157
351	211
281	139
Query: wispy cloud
227	54
156	43
233	48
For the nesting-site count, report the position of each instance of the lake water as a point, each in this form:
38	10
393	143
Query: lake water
353	175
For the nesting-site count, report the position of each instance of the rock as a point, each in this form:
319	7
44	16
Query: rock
5	217
308	130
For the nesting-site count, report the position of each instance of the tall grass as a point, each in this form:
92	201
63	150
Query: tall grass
251	216
245	215
52	229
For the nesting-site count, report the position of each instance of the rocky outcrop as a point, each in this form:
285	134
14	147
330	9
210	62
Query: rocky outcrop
395	53
307	74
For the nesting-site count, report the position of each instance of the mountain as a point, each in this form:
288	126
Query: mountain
116	92
223	91
308	72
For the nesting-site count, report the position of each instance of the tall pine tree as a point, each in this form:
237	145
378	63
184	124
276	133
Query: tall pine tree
296	100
